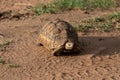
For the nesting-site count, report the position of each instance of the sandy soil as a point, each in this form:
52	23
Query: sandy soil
100	59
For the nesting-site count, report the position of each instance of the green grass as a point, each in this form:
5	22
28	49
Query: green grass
104	3
43	8
69	4
4	44
2	60
98	19
62	5
114	16
13	65
103	24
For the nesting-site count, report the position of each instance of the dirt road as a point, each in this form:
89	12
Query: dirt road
100	59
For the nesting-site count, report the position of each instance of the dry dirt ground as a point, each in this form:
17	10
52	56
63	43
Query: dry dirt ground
100	59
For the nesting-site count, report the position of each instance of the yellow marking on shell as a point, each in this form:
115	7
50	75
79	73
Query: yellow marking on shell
48	43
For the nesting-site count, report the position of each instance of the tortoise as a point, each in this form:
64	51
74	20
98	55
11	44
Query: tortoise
59	37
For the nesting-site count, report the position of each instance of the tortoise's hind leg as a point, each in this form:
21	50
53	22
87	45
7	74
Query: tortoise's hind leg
57	51
39	44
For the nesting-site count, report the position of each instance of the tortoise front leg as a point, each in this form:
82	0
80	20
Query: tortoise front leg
57	51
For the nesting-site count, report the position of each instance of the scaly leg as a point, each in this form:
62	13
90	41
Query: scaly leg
57	51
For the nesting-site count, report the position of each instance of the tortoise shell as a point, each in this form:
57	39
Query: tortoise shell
56	33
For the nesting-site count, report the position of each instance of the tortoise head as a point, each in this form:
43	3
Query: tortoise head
69	45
